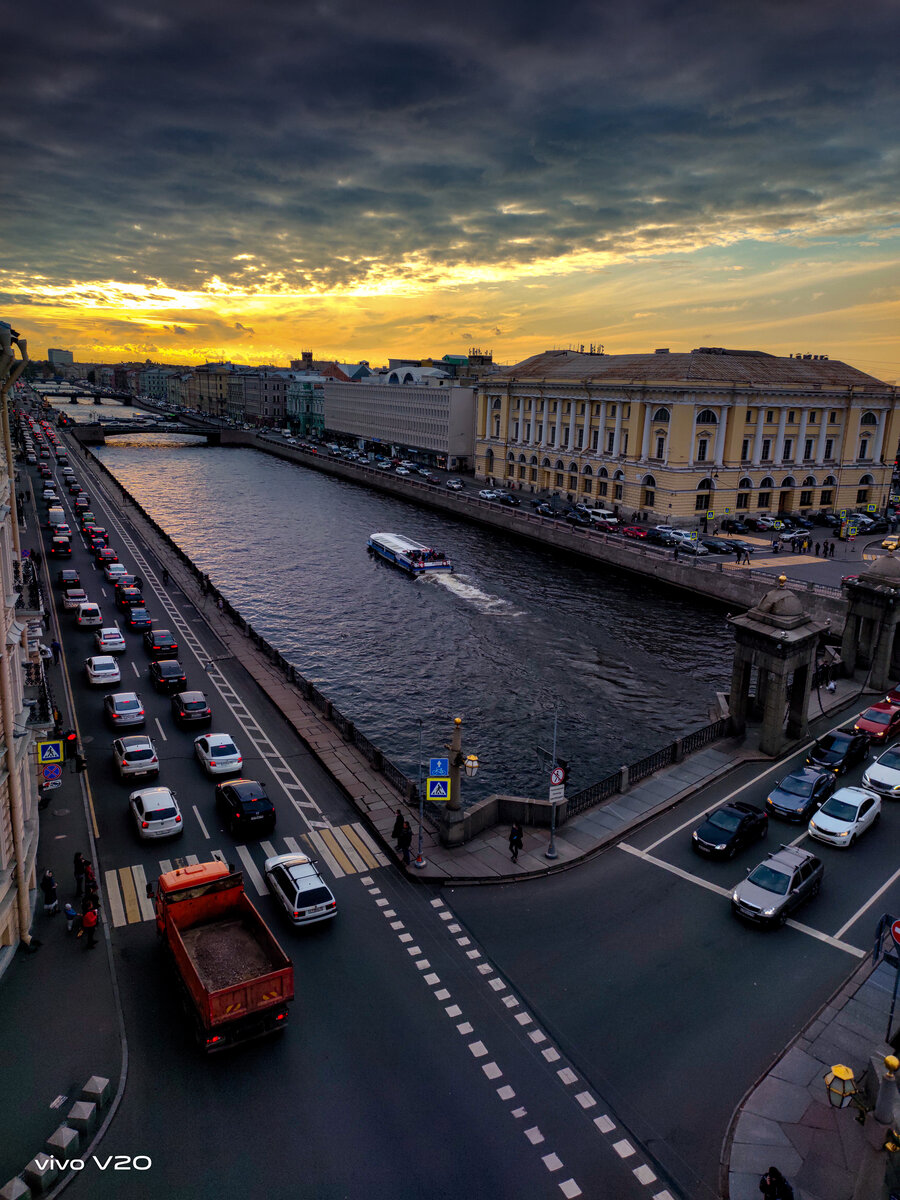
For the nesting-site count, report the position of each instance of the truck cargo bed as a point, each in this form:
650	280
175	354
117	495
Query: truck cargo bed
227	953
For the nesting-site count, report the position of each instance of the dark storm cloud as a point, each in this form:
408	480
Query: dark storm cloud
324	141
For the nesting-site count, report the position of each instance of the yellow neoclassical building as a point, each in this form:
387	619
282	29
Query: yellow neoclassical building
678	435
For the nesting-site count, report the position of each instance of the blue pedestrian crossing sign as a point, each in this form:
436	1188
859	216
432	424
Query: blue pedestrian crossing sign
439	767
50	752
438	789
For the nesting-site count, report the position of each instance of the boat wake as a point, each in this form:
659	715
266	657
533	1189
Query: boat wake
474	595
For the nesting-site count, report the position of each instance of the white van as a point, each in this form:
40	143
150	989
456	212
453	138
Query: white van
601	514
56	515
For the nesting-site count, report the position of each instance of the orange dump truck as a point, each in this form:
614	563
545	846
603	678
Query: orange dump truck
236	979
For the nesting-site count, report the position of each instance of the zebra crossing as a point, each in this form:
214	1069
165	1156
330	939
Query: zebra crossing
343	850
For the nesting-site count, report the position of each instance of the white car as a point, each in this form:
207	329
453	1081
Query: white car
113	570
217	754
487	494
88	616
74	597
883	776
845	816
296	884
102	668
402	471
156	813
110	640
455	485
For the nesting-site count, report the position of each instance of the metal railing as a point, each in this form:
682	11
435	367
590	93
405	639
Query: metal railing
702	737
588	797
652	762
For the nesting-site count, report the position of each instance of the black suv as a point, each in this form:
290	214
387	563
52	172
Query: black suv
246	807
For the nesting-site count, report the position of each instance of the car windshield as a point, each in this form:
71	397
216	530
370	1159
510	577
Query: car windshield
877	716
771	881
839	809
795	786
127	705
729	821
193	705
160	814
315	895
833	743
139	754
890	758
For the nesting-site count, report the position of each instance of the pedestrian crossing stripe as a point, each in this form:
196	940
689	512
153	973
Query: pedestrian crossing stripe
344	850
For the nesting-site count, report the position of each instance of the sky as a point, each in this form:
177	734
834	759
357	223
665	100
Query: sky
198	181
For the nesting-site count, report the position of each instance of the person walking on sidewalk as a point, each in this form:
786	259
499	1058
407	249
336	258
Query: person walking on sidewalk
398	827
515	841
774	1186
51	900
57	650
165	577
89	927
71	913
78	867
405	841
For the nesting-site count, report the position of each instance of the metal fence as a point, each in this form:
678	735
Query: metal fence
652	762
702	737
595	794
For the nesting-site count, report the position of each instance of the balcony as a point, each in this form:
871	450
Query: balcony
27	589
38	699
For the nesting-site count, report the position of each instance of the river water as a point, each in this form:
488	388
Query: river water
513	634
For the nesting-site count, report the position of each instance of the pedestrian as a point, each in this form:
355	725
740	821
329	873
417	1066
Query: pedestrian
165	577
806	545
220	604
89	926
71	913
831	687
36	558
833	544
57	650
775	545
774	1186
405	841
816	549
398	827
515	841
676	552
747	557
90	879
78	867
51	900
138	583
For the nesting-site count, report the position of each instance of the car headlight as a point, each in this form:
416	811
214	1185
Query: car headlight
842	835
769	912
735	897
812	826
723	846
695	836
896	789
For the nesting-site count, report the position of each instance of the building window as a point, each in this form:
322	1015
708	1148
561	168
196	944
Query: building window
612	410
792	418
559	480
864	448
580	439
862	496
832	418
829	448
610	442
806	499
701	504
766	449
701	450
786	454
764	500
497	427
551	440
743	500
812	417
527	431
660	447
617	491
807	449
532	474
649	499
745	449
573	483
602	487
624	449
770	417
595	439
521	472
515	431
749	420
586	485
827	496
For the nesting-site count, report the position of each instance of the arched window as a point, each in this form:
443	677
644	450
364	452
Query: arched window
573	468
511	457
602	473
489	457
702	502
586	471
705	485
866	481
707	417
661	414
521	458
745	483
545	462
495	403
649	481
560	465
533	460
789	482
743	496
768	482
830	481
809	481
868	418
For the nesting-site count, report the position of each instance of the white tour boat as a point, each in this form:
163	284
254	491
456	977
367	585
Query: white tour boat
407	555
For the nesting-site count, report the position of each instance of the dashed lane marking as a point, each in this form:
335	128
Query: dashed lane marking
250	868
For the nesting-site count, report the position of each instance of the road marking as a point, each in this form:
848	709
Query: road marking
250	868
129	895
113	898
859	912
161	730
268	849
366	846
136	671
144	902
200	820
318	847
658	862
340	837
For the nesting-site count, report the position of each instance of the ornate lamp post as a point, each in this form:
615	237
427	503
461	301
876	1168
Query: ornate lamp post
458	762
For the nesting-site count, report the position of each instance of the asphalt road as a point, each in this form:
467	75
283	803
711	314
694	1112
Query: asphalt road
409	1067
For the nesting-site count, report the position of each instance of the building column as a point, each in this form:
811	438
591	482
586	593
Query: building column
823	434
758	440
880	676
879	437
692	449
586	436
737	697
601	449
772	739
720	437
800	458
556	442
779	440
617	436
645	441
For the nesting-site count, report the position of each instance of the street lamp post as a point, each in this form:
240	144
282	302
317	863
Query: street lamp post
420	859
458	761
550	852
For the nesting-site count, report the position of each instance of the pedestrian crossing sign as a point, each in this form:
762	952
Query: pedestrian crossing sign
49	752
438	789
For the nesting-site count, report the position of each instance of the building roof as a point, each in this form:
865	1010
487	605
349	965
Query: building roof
748	368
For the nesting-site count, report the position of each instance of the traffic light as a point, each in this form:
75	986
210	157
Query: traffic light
69	740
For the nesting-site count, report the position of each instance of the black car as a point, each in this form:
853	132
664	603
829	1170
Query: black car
717	545
138	619
128	597
729	828
839	751
245	806
800	794
159	643
660	537
509	501
190	710
68	578
167	675
733	525
579	519
547	510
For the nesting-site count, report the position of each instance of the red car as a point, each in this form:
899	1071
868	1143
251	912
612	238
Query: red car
634	531
893	696
880	722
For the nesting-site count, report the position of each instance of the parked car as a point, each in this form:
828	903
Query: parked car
844	817
156	813
135	756
880	723
797	796
662	537
102	668
733	525
217	754
686	546
487	494
295	882
245	806
638	532
401	471
839	751
729	828
717	545
787	878
191	710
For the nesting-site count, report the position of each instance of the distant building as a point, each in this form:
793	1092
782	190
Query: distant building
680	435
305	404
60	357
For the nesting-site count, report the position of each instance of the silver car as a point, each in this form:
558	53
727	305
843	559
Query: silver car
785	880
135	756
298	887
156	813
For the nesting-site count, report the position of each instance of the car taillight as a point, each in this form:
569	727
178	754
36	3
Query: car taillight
145	824
115	716
333	904
212	762
240	760
178	819
237	816
125	762
296	914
